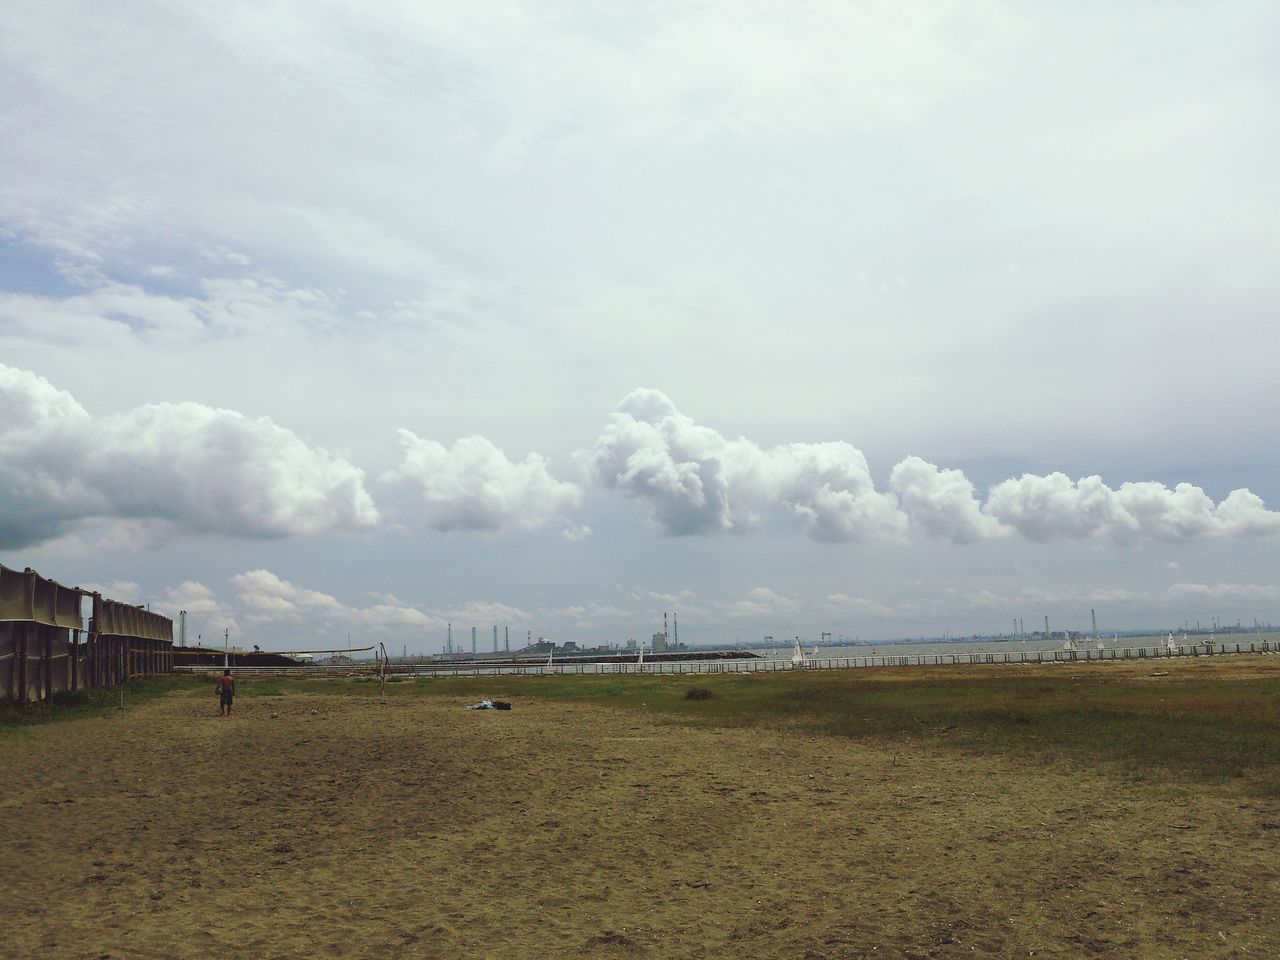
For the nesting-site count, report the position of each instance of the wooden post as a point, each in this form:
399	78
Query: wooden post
75	660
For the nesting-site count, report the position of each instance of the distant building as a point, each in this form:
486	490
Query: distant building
658	644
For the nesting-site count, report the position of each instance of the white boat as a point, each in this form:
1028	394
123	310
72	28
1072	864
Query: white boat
797	655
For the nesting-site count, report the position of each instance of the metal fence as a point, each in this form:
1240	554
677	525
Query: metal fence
44	649
759	665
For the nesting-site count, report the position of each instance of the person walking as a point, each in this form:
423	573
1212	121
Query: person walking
226	690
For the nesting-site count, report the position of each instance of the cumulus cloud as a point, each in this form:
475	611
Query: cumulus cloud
267	598
474	486
194	468
942	503
266	595
193	597
1054	507
696	481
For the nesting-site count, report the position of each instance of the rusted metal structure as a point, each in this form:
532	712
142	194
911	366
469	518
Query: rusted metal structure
45	649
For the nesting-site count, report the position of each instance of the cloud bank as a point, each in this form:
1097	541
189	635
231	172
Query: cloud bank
696	481
171	468
197	469
1054	507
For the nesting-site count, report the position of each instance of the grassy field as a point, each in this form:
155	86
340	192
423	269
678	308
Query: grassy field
88	703
930	814
1201	721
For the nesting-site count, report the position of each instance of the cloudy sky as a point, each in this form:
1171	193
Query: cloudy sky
873	318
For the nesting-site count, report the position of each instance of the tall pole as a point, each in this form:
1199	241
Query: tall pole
473	641
226	647
506	638
448	643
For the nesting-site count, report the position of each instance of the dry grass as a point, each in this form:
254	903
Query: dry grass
341	825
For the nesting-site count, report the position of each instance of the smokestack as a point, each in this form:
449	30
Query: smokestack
1094	616
1046	626
495	638
448	643
664	625
506	638
675	629
473	641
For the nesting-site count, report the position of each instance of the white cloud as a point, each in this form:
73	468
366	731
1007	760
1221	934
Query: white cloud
941	503
1054	507
842	603
267	598
264	594
193	597
125	591
474	486
696	481
109	312
194	468
684	596
484	611
763	603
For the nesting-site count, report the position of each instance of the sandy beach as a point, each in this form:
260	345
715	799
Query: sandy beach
329	826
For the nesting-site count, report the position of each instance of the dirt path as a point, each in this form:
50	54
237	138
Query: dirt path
352	828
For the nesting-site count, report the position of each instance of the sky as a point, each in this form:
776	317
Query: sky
325	320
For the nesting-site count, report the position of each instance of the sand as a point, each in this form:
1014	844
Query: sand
348	827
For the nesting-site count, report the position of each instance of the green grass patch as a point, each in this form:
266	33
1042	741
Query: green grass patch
90	703
1179	728
1186	728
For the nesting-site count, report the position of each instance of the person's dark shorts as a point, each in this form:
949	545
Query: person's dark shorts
224	699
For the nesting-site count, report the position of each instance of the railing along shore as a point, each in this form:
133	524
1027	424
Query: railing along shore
758	665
